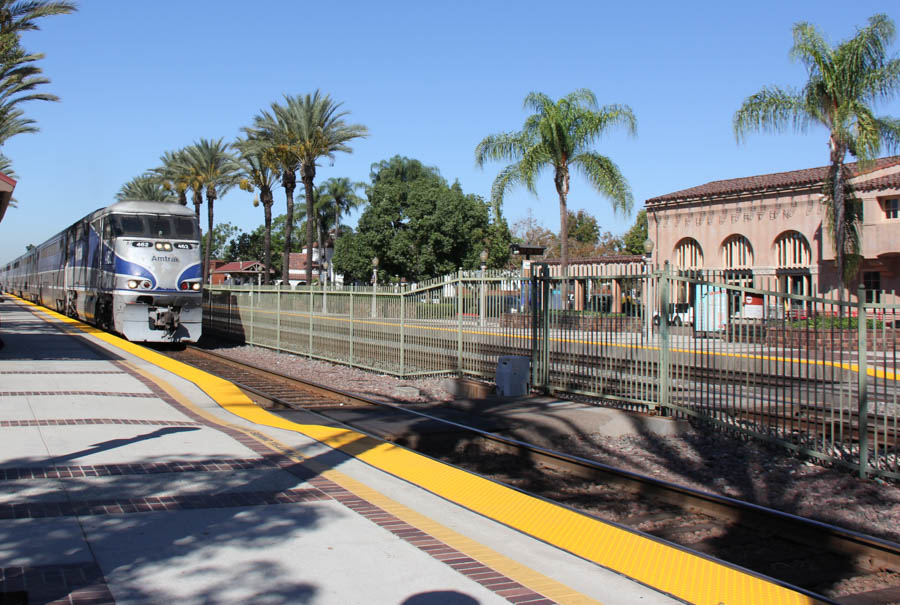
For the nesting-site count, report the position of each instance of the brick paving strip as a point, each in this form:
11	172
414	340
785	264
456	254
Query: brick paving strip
94	421
54	584
106	470
88	393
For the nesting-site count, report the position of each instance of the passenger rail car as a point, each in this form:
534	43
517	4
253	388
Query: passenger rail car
132	267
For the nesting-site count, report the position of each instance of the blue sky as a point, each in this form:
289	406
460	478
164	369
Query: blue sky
429	80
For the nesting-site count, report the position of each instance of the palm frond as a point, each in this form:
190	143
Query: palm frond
607	178
771	110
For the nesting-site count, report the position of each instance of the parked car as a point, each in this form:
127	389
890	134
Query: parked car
680	314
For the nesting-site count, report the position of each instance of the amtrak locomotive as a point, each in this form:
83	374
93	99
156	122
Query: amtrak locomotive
133	267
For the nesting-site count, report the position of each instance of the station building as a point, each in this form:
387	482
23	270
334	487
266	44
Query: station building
770	231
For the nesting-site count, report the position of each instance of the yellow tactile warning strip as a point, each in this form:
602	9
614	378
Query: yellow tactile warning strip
471	548
684	575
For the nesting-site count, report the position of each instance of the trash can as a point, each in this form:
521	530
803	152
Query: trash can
513	373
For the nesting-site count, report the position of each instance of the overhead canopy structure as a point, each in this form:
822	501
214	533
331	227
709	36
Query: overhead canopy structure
527	250
6	190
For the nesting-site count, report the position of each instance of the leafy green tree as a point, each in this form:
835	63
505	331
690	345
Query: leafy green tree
245	247
263	178
609	244
419	226
844	82
583	228
216	168
222	234
529	230
635	237
145	187
559	136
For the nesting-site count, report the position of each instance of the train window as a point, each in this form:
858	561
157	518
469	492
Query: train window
185	228
154	225
124	224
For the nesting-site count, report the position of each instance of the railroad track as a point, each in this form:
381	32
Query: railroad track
823	560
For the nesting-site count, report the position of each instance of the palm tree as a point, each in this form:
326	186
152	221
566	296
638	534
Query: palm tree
145	187
174	175
341	192
844	82
258	175
299	133
17	77
18	74
216	168
333	199
17	16
559	135
321	132
272	134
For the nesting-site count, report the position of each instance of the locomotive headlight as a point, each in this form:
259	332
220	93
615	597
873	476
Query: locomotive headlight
132	283
195	285
164	246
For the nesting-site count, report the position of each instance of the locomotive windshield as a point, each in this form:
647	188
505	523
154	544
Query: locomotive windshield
154	225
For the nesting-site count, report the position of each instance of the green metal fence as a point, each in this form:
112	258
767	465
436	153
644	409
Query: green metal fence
455	325
814	374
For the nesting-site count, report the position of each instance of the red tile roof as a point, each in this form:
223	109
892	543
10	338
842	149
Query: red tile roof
239	266
783	180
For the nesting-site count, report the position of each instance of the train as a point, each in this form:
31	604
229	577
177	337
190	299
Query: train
133	267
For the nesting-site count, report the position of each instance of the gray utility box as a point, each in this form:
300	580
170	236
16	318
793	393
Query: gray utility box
513	373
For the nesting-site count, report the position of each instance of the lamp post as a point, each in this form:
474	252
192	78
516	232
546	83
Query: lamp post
648	312
374	283
483	256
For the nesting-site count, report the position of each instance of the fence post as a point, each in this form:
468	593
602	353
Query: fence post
863	378
459	316
402	333
252	315
532	304
278	319
351	327
663	397
309	349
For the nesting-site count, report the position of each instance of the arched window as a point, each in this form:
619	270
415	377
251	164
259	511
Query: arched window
737	253
688	254
792	251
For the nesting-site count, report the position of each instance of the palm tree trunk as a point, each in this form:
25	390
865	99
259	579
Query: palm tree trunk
562	188
267	201
197	196
288	181
839	212
207	254
308	173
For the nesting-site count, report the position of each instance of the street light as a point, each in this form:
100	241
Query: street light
374	282
648	313
483	256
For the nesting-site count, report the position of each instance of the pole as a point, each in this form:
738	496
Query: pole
374	288
481	302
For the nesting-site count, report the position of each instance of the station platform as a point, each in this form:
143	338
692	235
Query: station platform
127	477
